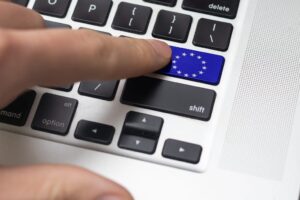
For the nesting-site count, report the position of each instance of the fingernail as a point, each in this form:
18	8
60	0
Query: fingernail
109	198
161	48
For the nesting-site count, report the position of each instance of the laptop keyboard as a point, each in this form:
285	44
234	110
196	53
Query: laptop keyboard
141	132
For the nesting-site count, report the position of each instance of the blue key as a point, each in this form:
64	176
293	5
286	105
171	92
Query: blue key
195	66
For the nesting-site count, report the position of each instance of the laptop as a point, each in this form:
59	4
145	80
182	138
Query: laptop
221	121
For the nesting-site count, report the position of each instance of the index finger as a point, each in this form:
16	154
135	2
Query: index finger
58	57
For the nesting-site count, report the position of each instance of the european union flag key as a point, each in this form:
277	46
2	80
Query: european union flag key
195	66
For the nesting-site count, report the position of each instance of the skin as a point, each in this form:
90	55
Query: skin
31	55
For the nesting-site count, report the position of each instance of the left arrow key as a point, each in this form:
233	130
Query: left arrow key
94	132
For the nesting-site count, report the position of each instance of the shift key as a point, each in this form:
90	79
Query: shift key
54	114
169	97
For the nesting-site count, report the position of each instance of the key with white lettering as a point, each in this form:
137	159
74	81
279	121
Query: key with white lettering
93	12
105	90
140	132
170	97
222	8
54	114
182	151
137	144
172	26
17	112
94	132
142	125
55	8
213	34
132	18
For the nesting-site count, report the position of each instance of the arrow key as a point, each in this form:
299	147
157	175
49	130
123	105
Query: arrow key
140	132
143	125
138	144
94	132
182	151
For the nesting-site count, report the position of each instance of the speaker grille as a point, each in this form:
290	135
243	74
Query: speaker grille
263	113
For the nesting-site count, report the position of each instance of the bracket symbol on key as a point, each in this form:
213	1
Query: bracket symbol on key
133	14
172	22
211	35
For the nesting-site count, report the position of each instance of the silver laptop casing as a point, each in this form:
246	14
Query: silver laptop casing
252	143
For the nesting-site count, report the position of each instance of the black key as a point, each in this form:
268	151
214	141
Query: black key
54	114
96	31
17	112
21	2
55	8
92	11
99	89
143	125
138	144
163	2
50	24
222	8
94	132
172	26
65	88
132	18
213	34
170	97
182	151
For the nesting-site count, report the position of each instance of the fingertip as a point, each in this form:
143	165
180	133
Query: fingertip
124	196
113	190
96	185
162	49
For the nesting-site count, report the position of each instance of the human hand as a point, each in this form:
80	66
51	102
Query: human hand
29	56
32	56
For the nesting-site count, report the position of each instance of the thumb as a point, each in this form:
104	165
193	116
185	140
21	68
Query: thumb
57	182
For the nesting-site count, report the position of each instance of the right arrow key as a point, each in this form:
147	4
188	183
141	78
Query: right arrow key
182	151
